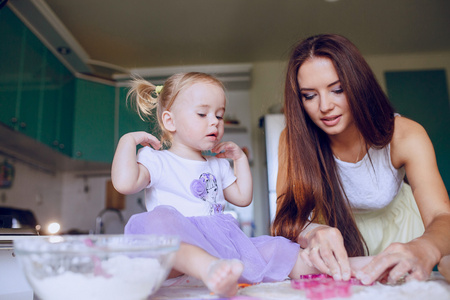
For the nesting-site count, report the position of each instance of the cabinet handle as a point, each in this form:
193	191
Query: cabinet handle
78	153
55	143
61	146
14	120
23	125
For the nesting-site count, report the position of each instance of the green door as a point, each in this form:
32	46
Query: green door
423	97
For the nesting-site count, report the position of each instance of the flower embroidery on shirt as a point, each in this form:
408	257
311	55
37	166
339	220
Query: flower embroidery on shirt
206	188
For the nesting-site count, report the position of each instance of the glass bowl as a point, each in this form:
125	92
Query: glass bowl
96	266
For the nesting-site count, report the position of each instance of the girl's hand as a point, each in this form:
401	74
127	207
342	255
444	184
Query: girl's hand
228	150
324	250
145	139
127	175
398	262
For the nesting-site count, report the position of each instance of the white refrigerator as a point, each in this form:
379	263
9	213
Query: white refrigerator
273	126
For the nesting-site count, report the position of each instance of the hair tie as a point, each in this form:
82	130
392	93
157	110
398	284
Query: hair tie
158	89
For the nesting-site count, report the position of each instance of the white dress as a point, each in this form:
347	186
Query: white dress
383	205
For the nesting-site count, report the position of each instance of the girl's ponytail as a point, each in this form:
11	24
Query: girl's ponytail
144	97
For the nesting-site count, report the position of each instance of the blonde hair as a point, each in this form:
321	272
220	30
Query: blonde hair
144	97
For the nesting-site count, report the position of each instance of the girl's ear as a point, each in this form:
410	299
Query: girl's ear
168	121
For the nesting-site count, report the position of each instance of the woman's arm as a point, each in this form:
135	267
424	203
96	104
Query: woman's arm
239	193
411	147
127	175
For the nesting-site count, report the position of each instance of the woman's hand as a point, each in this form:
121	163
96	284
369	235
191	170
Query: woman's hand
411	261
324	249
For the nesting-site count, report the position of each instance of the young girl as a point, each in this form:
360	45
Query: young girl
342	162
186	192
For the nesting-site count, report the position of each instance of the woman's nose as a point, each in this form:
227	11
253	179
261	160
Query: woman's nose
326	104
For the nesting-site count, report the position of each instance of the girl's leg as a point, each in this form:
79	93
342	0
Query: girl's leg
301	268
220	276
444	267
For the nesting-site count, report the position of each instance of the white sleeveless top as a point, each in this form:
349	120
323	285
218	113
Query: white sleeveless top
372	183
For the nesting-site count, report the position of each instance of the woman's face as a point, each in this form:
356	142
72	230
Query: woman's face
323	97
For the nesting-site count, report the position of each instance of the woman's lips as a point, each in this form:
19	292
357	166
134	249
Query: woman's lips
331	120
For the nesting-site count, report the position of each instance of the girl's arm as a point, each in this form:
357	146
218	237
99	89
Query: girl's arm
411	147
127	175
239	193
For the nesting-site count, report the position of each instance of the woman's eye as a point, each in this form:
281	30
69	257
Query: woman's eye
338	91
308	96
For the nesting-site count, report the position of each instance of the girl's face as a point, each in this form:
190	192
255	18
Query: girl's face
198	117
323	98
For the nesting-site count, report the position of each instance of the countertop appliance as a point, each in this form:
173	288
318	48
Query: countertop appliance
13	284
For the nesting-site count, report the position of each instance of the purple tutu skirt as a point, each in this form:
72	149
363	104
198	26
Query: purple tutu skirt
265	258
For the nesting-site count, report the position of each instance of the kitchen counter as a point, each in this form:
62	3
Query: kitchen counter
187	288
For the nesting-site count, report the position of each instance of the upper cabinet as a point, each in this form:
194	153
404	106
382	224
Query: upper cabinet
128	119
36	90
20	81
79	116
94	121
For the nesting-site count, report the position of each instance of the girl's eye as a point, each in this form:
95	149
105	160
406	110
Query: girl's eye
308	96
201	115
219	117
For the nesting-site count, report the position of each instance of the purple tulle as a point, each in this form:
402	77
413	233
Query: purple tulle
265	258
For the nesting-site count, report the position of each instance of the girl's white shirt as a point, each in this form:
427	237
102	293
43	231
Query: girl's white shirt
172	177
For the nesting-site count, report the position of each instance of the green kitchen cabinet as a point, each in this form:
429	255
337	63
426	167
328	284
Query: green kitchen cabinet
22	64
56	126
128	118
65	119
11	30
35	97
93	127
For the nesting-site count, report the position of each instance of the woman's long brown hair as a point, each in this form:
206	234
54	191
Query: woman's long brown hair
313	189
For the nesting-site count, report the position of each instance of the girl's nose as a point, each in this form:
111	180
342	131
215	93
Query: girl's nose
214	121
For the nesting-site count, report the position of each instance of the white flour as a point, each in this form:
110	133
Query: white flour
131	279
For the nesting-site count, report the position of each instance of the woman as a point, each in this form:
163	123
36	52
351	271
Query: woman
343	156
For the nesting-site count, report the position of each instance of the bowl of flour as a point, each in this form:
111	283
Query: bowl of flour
109	267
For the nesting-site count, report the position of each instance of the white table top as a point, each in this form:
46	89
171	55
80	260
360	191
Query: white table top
436	289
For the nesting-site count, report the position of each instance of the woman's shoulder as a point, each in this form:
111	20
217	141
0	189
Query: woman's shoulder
407	130
407	138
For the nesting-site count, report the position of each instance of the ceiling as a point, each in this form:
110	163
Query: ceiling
116	36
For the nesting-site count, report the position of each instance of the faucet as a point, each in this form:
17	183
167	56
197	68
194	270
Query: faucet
99	227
